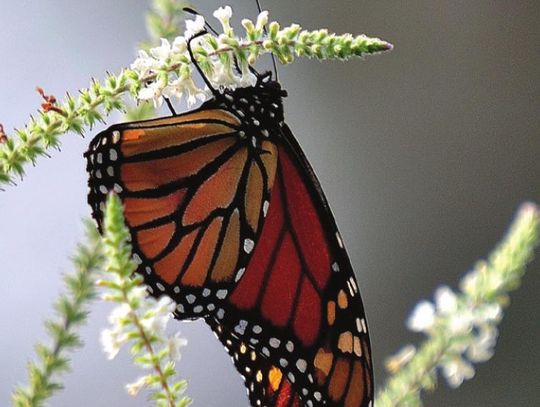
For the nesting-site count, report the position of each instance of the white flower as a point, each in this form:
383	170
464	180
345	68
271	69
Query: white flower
446	300
247	79
119	314
490	313
422	317
223	14
153	92
481	349
193	93
262	20
462	322
185	87
112	340
140	292
174	344
194	27
134	388
456	371
470	283
162	52
164	306
179	45
144	64
223	76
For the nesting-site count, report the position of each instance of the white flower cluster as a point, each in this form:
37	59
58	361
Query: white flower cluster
219	69
142	321
470	328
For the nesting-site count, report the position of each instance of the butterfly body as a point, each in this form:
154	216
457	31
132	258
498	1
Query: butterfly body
228	219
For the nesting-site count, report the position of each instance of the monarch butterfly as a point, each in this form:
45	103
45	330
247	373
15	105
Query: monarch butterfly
228	218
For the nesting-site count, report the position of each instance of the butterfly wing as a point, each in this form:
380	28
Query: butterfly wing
298	304
193	199
265	383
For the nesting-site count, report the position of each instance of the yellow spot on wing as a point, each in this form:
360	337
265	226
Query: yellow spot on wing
343	302
345	342
331	312
274	377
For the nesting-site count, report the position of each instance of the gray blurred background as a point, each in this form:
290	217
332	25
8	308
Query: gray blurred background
424	154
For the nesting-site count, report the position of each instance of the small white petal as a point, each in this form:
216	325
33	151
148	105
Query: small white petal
456	371
262	20
194	27
162	52
462	322
223	14
446	300
179	45
134	388
175	343
422	317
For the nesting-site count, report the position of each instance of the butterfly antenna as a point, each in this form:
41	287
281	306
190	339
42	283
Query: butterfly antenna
170	106
205	79
272	54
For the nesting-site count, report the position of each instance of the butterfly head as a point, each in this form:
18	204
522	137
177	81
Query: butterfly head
258	107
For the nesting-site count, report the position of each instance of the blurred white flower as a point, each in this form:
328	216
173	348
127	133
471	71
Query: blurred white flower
446	300
422	317
138	293
134	388
194	27
262	20
174	343
119	314
179	45
490	313
456	371
144	64
461	322
164	306
482	347
153	92
112	340
163	52
185	87
470	283
223	14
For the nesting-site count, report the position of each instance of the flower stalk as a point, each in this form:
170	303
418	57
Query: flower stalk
461	328
71	309
168	71
138	319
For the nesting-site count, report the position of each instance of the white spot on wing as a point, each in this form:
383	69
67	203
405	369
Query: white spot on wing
113	155
274	342
136	258
239	274
221	294
289	346
248	245
340	242
198	309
